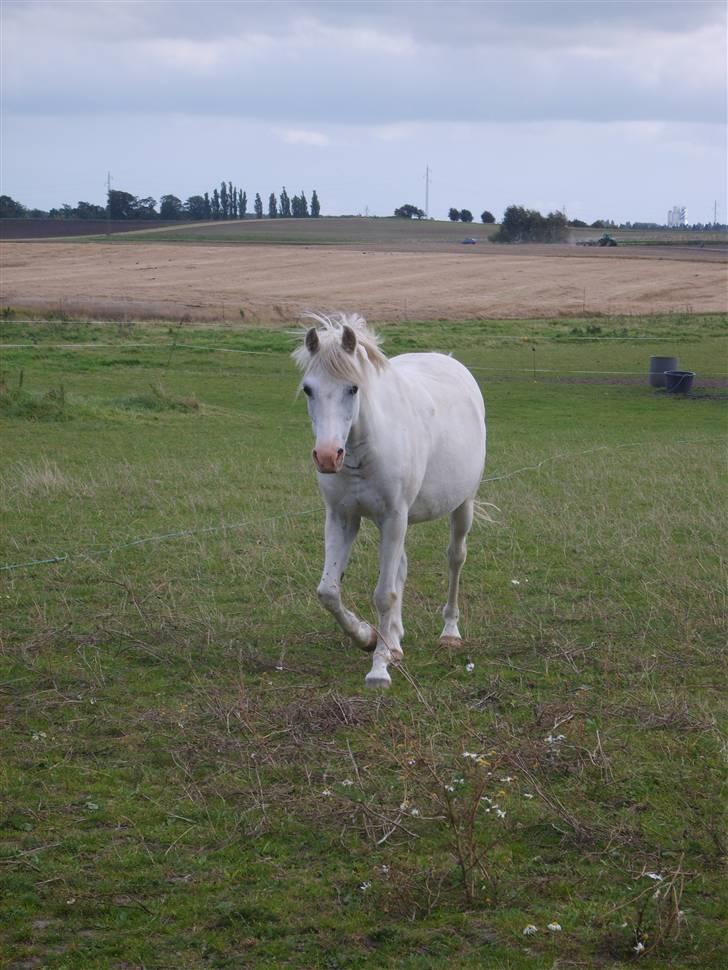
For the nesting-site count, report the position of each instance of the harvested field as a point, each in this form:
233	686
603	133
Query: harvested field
261	284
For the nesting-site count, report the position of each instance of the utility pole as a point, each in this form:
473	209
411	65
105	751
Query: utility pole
108	203
427	192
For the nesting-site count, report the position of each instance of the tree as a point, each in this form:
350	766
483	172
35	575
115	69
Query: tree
528	225
408	211
242	204
170	207
258	206
88	210
577	223
10	209
304	204
454	215
122	205
466	215
231	201
208	206
285	203
487	217
315	205
272	206
215	204
195	207
224	200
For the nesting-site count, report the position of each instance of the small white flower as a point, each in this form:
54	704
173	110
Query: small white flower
654	875
326	792
364	886
555	927
415	812
515	582
279	666
71	901
470	667
92	806
411	762
507	779
347	782
449	788
554	739
639	948
499	812
527	794
384	870
530	930
39	735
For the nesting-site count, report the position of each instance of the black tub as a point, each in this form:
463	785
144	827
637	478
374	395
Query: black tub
679	381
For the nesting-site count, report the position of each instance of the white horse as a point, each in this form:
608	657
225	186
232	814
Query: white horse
397	441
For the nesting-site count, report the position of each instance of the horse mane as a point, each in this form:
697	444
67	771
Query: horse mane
331	356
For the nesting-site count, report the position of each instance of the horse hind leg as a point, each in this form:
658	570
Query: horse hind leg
461	521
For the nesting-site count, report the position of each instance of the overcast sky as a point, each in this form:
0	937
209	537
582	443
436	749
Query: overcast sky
610	109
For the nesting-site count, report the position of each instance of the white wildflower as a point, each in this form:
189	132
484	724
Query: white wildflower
527	794
364	886
449	788
470	667
384	870
639	948
499	812
326	792
554	738
530	930
654	875
92	806
515	582
347	782
414	812
507	779
554	927
39	735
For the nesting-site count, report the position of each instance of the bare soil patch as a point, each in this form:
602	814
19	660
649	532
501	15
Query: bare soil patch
266	284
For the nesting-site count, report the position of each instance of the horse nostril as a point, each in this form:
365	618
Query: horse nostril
340	452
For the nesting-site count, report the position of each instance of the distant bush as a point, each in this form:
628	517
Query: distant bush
487	217
528	225
408	211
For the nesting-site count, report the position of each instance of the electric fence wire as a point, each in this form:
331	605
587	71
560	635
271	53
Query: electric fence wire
231	526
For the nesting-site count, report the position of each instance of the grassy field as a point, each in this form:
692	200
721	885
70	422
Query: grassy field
373	233
192	772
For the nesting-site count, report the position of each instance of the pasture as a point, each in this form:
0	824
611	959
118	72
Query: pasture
193	774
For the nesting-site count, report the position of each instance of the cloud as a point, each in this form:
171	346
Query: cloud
297	136
370	63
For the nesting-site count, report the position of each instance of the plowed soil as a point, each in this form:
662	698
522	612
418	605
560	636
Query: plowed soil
271	284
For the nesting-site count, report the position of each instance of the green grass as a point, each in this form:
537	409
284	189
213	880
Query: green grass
192	772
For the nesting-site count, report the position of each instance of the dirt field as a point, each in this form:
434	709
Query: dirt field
264	284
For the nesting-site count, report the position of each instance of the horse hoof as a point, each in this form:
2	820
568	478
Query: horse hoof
377	681
451	642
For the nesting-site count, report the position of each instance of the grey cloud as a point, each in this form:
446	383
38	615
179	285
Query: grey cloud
369	62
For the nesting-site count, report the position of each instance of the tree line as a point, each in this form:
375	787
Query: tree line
226	202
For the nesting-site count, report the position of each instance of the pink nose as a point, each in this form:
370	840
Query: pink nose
328	459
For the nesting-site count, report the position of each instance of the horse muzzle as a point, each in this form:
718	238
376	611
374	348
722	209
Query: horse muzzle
328	460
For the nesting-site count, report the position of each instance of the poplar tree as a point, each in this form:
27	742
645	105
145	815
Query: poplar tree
304	204
285	203
272	206
224	201
315	206
208	207
258	206
215	204
242	204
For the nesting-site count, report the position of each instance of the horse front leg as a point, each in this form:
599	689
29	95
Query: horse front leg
461	521
339	537
388	598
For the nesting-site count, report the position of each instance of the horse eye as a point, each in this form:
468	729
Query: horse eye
353	389
307	390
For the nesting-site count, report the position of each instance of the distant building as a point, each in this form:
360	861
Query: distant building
676	216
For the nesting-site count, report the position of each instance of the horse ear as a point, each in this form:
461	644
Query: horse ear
312	341
348	340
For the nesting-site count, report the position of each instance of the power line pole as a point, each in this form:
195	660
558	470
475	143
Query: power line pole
108	203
